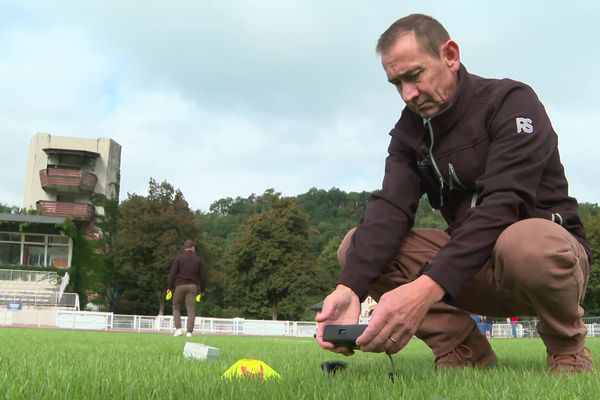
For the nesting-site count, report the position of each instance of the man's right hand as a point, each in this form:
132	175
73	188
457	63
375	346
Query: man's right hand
341	307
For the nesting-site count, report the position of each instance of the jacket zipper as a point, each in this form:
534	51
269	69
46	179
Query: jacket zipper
454	177
427	122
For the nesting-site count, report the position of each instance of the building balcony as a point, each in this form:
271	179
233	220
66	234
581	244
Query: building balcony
67	180
80	211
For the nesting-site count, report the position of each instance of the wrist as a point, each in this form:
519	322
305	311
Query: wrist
345	289
432	288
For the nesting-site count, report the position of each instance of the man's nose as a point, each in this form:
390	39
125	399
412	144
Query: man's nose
409	92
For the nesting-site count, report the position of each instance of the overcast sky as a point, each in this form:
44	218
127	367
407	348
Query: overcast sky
227	98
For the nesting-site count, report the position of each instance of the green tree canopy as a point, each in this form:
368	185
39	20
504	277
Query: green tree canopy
274	273
4	208
150	233
591	220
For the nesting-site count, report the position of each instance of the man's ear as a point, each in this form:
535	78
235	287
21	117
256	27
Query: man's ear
450	54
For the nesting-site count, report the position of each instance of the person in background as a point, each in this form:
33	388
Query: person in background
487	326
513	324
478	321
187	273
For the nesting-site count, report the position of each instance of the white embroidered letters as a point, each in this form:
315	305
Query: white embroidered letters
524	125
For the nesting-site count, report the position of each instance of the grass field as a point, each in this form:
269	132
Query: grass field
55	364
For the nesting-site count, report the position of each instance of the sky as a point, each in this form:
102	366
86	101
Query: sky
226	98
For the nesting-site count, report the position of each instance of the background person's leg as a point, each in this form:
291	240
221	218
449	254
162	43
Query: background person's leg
190	305
178	298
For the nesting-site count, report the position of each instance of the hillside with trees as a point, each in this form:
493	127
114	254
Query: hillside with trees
268	256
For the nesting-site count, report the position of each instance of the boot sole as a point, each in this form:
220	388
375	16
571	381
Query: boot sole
489	361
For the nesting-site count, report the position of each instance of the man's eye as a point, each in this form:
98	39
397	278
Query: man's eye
413	77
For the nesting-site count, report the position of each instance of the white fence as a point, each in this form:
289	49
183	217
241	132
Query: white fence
68	319
528	328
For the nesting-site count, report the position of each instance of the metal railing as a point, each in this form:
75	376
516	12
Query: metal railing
67	179
224	326
83	211
528	328
50	277
32	289
35	298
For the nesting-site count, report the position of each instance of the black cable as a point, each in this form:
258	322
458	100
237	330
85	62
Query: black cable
392	373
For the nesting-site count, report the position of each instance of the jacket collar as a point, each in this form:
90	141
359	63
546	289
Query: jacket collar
449	117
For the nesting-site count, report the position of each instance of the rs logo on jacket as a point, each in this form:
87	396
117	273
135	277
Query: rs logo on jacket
524	125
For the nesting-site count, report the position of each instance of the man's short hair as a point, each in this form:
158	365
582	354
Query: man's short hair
188	244
430	34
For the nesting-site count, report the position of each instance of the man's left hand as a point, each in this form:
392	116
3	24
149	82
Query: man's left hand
398	315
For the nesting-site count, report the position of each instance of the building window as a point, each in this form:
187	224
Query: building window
58	240
33	254
65	198
10	253
35	238
35	249
10	237
58	256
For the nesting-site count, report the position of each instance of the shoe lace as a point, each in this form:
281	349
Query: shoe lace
458	355
575	360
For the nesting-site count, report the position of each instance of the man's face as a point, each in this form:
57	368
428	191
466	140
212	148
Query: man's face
426	83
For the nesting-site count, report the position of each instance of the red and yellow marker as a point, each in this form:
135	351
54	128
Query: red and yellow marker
249	368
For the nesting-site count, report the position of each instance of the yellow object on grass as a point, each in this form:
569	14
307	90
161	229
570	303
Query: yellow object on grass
198	298
248	368
169	295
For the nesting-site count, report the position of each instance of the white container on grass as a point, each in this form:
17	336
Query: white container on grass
200	351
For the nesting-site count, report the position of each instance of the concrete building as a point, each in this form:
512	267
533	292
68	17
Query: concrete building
63	172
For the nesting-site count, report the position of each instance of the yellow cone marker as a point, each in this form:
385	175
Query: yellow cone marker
248	368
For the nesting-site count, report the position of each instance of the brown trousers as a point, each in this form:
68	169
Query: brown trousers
536	268
188	294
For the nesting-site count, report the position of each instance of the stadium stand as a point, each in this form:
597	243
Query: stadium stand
26	290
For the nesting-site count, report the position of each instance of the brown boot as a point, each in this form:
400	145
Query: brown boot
474	352
570	363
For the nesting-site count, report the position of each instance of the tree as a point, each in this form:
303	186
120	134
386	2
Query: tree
274	272
4	208
591	220
427	217
328	261
150	233
94	266
331	214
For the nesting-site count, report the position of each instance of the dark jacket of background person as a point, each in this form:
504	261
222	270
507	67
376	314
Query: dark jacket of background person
187	269
474	171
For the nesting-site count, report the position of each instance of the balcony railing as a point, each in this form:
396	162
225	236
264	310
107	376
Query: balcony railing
80	211
67	180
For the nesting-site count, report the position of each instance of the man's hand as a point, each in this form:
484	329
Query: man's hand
398	315
339	308
198	297
168	295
